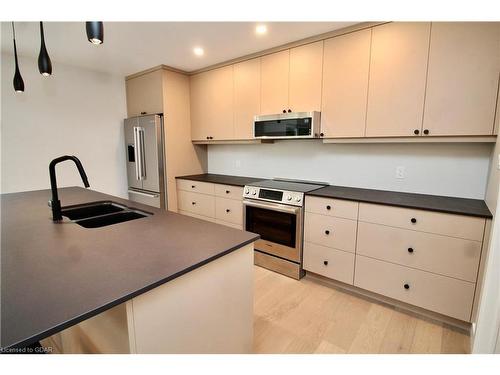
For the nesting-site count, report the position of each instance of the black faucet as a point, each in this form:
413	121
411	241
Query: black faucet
55	203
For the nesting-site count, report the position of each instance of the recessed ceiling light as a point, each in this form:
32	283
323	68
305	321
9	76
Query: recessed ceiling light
198	51
261	29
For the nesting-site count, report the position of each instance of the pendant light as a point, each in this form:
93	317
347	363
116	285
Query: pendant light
44	63
95	32
18	80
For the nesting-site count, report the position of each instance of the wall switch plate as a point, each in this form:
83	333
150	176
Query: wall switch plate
400	172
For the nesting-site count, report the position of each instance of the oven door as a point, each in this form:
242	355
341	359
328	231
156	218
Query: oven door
279	226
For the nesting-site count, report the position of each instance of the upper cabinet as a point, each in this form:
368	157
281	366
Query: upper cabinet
398	68
246	97
462	83
212	104
144	94
305	78
275	70
345	84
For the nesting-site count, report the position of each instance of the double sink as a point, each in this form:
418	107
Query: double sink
101	213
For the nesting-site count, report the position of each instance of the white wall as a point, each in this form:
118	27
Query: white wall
443	169
76	112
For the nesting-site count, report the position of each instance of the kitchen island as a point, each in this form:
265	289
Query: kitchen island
164	283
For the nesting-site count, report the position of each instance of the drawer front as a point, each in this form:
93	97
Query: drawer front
330	231
229	210
200	204
433	292
444	255
332	207
331	263
460	226
196	186
206	218
230	192
235	226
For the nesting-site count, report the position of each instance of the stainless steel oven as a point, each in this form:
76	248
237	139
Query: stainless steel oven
274	209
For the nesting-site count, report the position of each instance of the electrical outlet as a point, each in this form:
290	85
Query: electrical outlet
400	172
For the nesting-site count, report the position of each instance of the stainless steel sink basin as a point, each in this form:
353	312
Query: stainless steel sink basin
102	213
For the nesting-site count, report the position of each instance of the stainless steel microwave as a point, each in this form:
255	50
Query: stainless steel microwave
287	125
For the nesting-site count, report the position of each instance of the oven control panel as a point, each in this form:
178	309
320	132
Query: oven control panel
273	195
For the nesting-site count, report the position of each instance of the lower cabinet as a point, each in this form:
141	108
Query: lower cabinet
422	258
218	203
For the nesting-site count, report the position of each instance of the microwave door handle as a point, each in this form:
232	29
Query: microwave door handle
136	154
274	207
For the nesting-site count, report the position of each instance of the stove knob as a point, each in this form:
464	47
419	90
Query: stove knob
247	191
298	199
289	197
254	192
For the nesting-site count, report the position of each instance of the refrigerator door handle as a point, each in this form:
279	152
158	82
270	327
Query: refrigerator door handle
152	195
136	154
142	154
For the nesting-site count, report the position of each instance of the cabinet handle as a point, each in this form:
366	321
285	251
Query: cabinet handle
410	250
227	191
413	220
327	232
193	186
406	286
328	207
416	132
284	111
426	131
321	134
143	113
228	210
208	137
325	262
289	110
193	203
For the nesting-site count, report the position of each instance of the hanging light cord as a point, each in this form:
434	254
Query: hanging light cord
13	30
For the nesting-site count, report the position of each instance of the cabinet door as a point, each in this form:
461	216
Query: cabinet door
212	104
274	82
398	67
345	84
462	83
246	97
305	77
145	94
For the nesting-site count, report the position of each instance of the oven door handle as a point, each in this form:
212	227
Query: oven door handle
273	207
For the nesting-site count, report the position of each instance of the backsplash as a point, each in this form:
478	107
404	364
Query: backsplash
459	170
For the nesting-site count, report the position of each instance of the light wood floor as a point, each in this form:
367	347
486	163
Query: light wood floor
303	316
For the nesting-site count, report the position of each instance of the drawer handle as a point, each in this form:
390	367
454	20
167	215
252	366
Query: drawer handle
325	262
228	210
413	220
328	207
227	191
327	232
406	286
193	203
410	250
193	186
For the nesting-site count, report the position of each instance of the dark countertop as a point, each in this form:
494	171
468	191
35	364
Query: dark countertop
57	275
452	205
222	179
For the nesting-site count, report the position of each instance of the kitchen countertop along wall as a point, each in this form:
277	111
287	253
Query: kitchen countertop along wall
456	170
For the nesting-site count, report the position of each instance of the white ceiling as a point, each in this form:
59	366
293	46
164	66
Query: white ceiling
130	47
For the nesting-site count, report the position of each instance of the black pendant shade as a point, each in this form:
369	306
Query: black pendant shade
18	80
44	63
95	32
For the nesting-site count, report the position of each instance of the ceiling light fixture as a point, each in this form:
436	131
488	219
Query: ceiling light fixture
95	32
261	29
18	80
198	51
44	63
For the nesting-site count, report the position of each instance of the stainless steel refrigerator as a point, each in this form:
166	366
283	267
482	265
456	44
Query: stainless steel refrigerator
145	160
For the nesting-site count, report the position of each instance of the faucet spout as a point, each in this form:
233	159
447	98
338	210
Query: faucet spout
55	203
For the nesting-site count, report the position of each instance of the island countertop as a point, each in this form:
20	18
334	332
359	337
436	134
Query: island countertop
55	275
